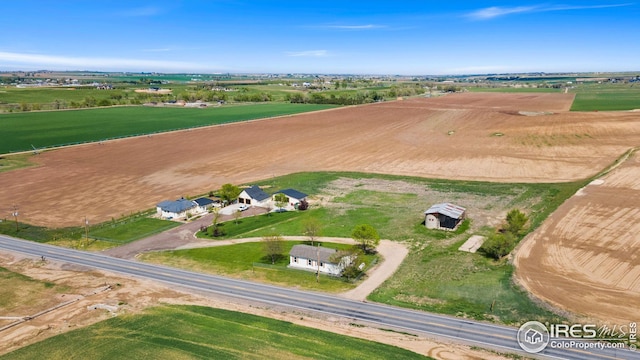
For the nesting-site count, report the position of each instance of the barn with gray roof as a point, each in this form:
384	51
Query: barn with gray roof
445	216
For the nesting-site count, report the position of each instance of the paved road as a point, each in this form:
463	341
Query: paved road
501	338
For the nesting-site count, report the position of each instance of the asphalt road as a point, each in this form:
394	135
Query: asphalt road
495	337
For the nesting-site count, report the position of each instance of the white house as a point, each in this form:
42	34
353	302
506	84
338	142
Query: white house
316	258
294	197
444	216
203	205
175	209
254	196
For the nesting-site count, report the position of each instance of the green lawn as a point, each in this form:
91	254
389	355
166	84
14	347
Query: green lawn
444	280
131	229
254	225
193	332
49	129
249	261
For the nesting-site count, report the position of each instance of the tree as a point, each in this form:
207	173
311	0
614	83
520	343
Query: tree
215	231
229	192
498	245
516	221
311	228
367	235
304	205
236	216
273	246
281	200
352	270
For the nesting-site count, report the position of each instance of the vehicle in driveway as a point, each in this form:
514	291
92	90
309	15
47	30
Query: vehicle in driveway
243	207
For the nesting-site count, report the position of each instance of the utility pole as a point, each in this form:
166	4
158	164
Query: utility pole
318	263
15	215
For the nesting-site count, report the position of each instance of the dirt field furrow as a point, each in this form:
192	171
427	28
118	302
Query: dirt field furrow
585	258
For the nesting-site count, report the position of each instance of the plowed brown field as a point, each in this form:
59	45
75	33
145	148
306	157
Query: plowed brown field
585	256
455	136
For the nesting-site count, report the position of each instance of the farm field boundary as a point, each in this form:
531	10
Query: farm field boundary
49	129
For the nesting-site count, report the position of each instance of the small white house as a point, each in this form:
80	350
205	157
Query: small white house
294	197
176	209
444	216
254	196
316	258
203	205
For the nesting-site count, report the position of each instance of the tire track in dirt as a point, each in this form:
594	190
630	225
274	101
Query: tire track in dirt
584	257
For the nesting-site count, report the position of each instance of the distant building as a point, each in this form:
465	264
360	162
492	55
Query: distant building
445	216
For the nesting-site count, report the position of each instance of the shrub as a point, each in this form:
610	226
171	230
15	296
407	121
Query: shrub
498	245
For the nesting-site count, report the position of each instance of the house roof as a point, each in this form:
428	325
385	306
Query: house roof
255	192
203	201
312	252
292	193
448	209
176	206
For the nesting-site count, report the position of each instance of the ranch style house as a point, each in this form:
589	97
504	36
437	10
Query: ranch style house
179	209
317	258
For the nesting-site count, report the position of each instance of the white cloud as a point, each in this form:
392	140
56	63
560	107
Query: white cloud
498	11
308	53
52	62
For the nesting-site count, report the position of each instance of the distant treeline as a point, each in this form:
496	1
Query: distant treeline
343	95
354	98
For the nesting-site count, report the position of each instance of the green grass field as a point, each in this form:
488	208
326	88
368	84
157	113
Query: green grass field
606	97
21	295
193	332
55	128
249	261
12	95
589	96
131	230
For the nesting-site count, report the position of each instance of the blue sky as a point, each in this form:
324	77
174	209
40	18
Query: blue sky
354	37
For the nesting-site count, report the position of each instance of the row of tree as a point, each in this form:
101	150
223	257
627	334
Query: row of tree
353	98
